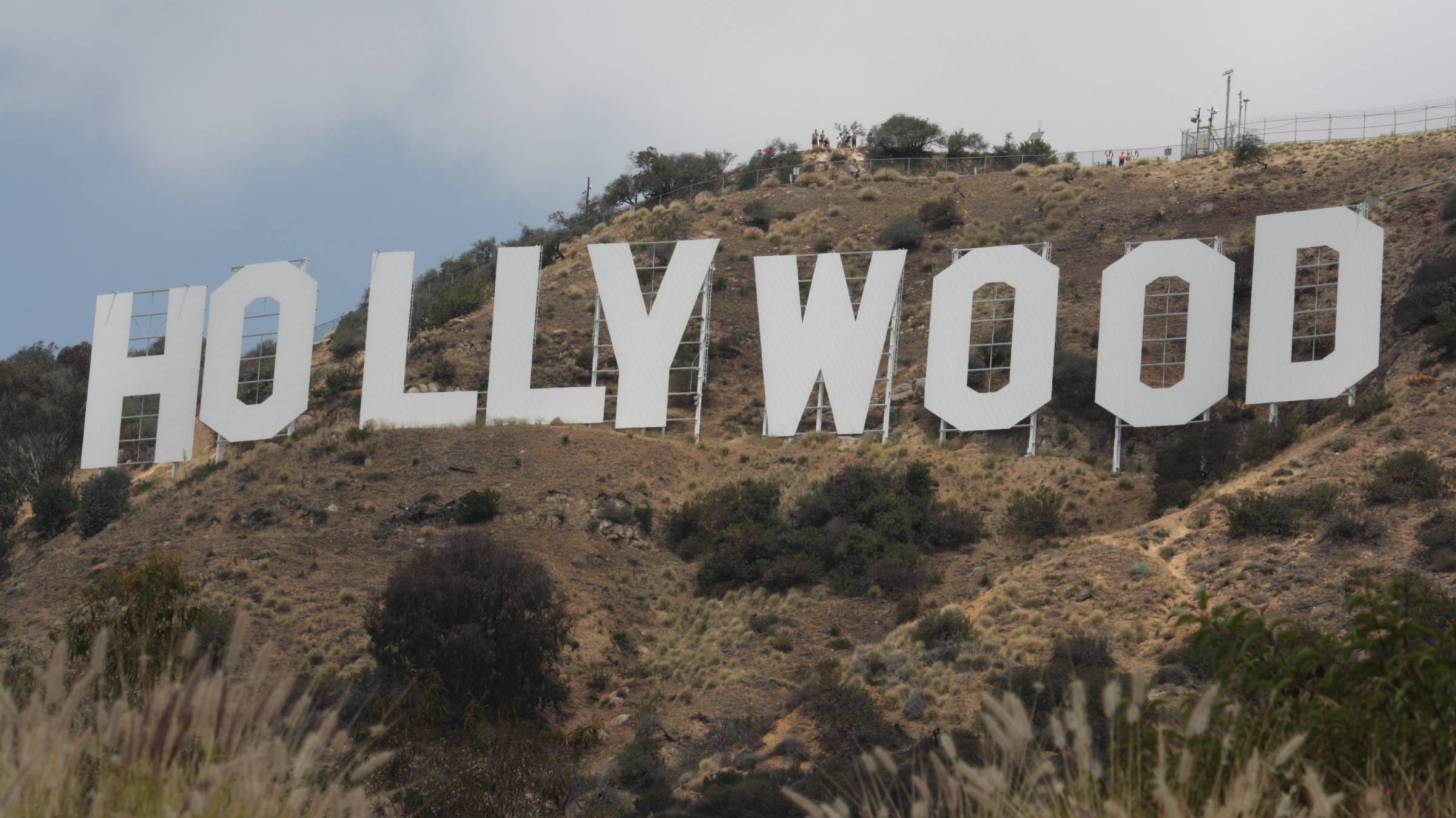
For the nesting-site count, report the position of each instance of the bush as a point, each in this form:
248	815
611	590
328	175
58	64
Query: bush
52	507
1046	688
1351	525
760	213
1250	150
941	214
1368	404
1264	440
347	338
861	527
475	507
903	233
1404	477
104	498
6	549
1376	698
1437	534
473	628
1431	296
1074	386
639	770
1448	210
903	135
1037	515
1190	458
849	721
1253	513
944	627
146	612
455	300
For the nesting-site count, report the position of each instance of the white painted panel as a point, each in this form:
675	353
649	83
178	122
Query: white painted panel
297	295
386	345
1273	375
1033	338
173	375
827	335
510	396
1210	278
644	342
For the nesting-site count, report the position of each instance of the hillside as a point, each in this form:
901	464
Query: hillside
303	533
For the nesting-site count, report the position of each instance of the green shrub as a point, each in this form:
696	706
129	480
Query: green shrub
52	507
760	213
1376	698
104	498
475	507
1448	210
1037	515
1437	535
1249	150
639	769
862	527
1316	500
1264	440
1351	525
146	612
1431	296
903	135
347	338
7	547
941	214
1404	477
849	721
1190	458
902	233
1046	688
471	629
1074	386
458	299
1368	404
943	627
1260	514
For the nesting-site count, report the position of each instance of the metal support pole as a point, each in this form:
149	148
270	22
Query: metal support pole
1031	437
1273	413
1350	396
219	451
596	338
819	406
942	431
707	309
890	365
1116	445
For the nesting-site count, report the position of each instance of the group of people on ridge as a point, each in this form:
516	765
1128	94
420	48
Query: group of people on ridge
847	139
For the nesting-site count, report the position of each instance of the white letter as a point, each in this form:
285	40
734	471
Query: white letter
828	337
1033	338
1120	389
509	396
1273	375
643	342
297	295
172	375
386	343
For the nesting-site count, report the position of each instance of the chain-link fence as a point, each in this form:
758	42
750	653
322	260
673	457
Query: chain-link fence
1328	126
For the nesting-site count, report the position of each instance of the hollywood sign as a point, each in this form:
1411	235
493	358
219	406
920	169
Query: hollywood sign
802	340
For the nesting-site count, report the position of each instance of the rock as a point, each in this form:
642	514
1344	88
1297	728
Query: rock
745	762
619	720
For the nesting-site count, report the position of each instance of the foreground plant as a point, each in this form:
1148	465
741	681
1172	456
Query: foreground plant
217	742
1172	771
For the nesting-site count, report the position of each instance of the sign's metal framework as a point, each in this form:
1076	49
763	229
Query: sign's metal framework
688	375
991	326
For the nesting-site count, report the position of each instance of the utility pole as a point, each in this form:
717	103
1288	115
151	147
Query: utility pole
1228	88
1239	124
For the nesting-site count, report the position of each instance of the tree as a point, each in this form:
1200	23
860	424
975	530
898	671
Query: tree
1249	150
903	135
104	498
475	624
960	143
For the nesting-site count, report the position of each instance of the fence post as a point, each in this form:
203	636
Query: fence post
1329	126
1426	118
1362	125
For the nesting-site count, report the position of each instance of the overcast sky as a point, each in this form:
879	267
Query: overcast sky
148	144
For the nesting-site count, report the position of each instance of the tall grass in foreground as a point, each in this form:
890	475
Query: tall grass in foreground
224	742
1192	768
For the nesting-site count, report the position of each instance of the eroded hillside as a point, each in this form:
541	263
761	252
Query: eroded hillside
303	533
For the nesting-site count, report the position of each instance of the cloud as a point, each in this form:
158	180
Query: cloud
207	93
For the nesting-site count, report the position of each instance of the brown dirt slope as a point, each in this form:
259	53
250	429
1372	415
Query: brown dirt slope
303	533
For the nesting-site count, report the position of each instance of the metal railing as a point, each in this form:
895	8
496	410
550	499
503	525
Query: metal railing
1329	126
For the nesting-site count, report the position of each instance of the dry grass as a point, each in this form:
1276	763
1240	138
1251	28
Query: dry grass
223	743
811	179
1173	771
869	194
888	175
